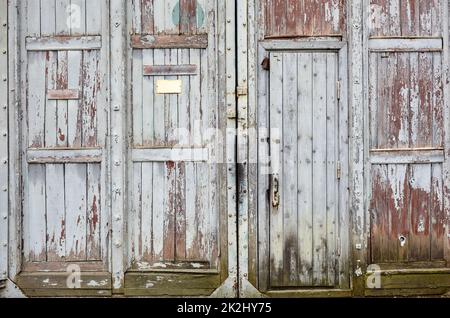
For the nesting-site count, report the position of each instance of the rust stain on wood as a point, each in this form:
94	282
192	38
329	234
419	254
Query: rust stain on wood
63	94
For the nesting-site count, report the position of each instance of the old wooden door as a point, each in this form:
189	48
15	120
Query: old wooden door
408	161
303	165
63	143
306	154
174	196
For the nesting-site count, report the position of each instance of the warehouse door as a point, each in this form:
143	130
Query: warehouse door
173	223
307	157
64	129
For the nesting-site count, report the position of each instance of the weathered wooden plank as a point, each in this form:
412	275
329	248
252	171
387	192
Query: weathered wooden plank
60	43
405	156
438	102
320	261
61	105
94	212
51	112
276	125
188	16
148	103
94	17
74	111
55	216
425	111
283	45
437	215
35	225
305	171
169	212
373	99
403	96
144	15
63	94
36	99
289	186
170	154
76	211
135	216
58	281
158	210
405	44
199	41
158	106
33	18
48	17
146	239
170	70
378	208
77	17
180	211
137	96
90	98
62	25
420	187
332	154
64	155
171	101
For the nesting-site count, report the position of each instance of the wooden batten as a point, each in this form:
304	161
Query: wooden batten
199	41
170	70
69	43
63	94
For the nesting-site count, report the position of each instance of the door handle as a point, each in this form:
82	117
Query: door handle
275	184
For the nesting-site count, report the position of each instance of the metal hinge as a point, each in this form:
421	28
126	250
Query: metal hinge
338	85
338	170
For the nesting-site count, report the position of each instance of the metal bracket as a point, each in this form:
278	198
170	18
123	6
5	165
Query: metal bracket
241	91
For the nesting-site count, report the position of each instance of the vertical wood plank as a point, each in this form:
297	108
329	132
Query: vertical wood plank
33	18
332	157
425	111
48	17
438	102
180	211
403	97
409	13
37	83
158	210
290	158
146	16
62	105
159	8
94	17
62	25
276	125
373	99
76	211
36	217
77	16
135	235
414	99
320	265
420	183
378	208
169	212
51	112
188	16
148	103
138	96
305	171
74	107
90	93
147	211
56	221
94	212
158	105
192	243
437	214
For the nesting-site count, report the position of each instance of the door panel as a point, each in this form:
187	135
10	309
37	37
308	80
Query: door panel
407	156
174	192
304	122
65	218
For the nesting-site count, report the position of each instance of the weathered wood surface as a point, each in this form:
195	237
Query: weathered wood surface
304	104
407	18
294	18
407	130
64	134
4	200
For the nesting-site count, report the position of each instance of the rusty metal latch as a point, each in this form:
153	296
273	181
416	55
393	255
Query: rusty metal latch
275	191
338	87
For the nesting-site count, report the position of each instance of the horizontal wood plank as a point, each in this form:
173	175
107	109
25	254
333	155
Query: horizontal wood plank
56	280
199	41
406	44
407	157
63	94
170	70
43	156
162	284
64	43
284	45
170	154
